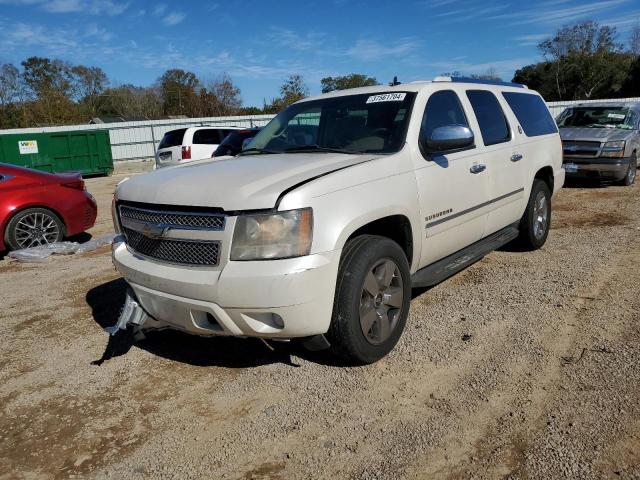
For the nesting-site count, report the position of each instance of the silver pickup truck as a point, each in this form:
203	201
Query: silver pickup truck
601	141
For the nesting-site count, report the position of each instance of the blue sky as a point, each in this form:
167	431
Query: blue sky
259	43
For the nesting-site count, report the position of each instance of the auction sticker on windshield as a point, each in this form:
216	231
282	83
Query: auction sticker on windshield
387	97
619	116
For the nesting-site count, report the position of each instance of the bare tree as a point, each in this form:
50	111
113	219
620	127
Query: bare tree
227	100
9	84
634	40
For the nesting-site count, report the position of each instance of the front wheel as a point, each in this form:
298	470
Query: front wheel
372	299
535	223
630	177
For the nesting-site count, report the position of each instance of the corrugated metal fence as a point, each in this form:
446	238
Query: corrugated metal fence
139	140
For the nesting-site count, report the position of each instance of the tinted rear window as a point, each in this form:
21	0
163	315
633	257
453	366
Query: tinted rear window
209	136
532	113
172	138
493	125
232	144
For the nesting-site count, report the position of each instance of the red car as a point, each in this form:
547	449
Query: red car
37	208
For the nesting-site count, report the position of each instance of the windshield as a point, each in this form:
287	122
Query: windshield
598	117
232	144
367	123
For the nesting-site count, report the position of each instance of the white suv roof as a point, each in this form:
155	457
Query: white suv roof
415	86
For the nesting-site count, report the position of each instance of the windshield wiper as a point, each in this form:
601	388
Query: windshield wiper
257	150
320	148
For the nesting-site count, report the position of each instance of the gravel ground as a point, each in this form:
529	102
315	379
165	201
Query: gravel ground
524	366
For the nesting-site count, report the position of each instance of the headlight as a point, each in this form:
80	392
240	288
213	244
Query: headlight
272	235
114	216
613	149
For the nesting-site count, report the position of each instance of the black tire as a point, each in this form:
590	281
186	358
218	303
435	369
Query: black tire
47	228
630	176
534	230
361	257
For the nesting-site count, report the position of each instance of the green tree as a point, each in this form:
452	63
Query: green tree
539	77
353	80
88	84
50	84
293	89
586	59
178	92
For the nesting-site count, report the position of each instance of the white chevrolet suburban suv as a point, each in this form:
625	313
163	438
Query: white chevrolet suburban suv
319	229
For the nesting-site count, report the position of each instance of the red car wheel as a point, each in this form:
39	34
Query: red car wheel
33	227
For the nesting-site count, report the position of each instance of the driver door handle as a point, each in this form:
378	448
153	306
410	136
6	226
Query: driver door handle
516	157
477	168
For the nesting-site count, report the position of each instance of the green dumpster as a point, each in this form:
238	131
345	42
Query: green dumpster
85	151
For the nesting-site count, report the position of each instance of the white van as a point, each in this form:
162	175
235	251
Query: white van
193	143
320	227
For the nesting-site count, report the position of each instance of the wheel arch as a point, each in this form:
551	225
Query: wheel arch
546	175
396	227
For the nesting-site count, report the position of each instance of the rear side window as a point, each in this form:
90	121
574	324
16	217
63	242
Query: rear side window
532	113
207	136
493	124
172	138
443	108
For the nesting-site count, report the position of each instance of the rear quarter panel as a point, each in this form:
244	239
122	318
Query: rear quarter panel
72	206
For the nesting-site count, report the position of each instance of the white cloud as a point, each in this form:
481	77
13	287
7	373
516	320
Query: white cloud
531	40
369	50
552	15
290	39
505	68
159	9
173	18
91	7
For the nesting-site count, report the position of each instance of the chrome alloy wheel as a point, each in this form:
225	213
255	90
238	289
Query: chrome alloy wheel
381	301
36	229
540	215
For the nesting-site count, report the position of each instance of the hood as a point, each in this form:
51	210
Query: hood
588	134
248	182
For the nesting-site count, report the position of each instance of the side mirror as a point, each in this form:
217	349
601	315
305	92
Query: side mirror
447	138
246	142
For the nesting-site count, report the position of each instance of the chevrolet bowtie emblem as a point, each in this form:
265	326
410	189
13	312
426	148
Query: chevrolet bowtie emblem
154	230
148	229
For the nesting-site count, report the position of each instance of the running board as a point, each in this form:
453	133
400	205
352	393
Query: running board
448	266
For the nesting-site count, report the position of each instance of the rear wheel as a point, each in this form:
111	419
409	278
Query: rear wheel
33	227
372	299
534	225
630	177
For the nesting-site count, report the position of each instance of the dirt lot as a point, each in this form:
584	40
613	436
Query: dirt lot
526	365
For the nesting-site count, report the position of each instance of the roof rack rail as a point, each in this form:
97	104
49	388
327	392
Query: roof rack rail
478	80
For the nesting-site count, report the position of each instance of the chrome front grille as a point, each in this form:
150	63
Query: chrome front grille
173	235
179	219
580	148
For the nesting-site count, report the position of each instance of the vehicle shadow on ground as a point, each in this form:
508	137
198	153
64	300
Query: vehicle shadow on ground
589	183
106	301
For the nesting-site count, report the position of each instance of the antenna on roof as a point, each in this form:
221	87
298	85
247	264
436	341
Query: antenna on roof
394	82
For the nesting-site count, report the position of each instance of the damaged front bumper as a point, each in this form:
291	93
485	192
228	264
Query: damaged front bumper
286	298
